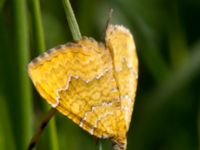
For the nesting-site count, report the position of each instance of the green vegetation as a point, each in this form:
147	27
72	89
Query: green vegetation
167	34
39	42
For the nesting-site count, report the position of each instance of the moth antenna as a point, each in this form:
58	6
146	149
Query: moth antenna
40	129
109	18
107	22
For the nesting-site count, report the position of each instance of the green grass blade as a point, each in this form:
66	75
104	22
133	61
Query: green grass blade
7	140
39	42
76	34
6	134
20	27
100	146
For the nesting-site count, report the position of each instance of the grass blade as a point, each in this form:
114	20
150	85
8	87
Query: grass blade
76	34
6	135
20	28
39	42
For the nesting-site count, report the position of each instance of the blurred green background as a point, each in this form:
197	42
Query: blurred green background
167	34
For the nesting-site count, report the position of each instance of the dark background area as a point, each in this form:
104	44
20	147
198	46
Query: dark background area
167	35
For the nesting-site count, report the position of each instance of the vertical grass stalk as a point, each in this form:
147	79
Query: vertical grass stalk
100	146
39	42
76	34
21	46
7	142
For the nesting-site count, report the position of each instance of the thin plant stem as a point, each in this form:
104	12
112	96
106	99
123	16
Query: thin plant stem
37	134
20	26
37	26
76	34
40	46
100	146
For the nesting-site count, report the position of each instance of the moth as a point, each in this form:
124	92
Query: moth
92	83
